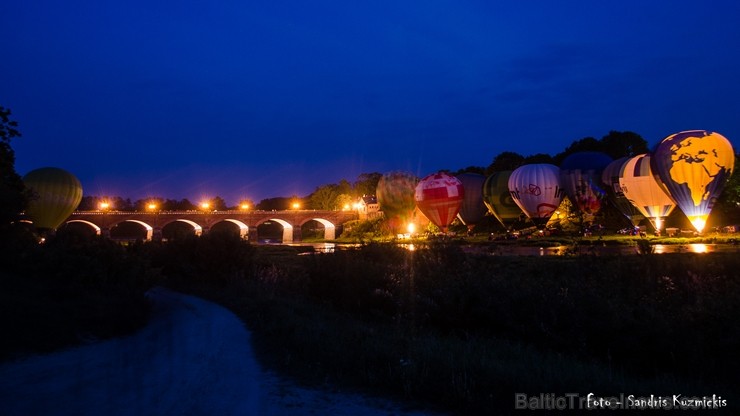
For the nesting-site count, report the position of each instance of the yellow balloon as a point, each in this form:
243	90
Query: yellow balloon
639	186
693	167
56	193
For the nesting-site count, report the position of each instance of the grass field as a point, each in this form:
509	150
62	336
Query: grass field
461	331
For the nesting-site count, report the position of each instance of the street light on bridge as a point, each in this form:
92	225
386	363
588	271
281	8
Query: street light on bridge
104	230
156	231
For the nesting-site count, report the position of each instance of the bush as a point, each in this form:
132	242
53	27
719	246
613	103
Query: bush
71	290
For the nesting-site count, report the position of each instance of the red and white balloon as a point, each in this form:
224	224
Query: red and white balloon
439	197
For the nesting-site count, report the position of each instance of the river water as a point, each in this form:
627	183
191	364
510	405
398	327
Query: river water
511	250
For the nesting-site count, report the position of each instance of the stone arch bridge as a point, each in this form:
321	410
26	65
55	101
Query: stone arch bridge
202	221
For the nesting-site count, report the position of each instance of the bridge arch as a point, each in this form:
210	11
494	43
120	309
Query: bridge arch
243	228
330	230
287	228
92	225
147	227
170	230
124	230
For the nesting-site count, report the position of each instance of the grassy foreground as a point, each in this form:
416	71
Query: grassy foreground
467	332
461	332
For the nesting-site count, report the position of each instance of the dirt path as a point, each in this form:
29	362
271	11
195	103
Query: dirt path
193	358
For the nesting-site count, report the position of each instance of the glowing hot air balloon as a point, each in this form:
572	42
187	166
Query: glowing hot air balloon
640	187
694	166
439	196
56	194
610	179
536	189
580	176
395	193
498	199
472	209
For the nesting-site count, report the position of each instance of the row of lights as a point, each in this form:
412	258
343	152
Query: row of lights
205	206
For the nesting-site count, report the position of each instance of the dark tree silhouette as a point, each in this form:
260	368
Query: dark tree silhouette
13	195
587	144
471	169
367	183
623	143
539	158
505	161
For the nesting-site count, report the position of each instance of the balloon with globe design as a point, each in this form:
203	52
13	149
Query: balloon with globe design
694	167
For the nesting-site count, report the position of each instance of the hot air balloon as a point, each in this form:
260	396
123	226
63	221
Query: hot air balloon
472	209
56	194
640	187
439	197
694	166
497	198
395	193
536	189
615	195
580	176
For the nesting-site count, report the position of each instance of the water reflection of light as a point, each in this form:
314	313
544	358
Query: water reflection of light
683	248
699	248
409	247
659	249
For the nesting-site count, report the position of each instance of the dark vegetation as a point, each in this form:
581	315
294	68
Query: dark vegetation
72	289
434	325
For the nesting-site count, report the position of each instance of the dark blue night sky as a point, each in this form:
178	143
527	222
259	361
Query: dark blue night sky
255	99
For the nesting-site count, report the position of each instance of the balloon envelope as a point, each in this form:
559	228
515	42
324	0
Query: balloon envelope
56	194
497	198
580	176
615	195
439	196
395	193
472	209
536	189
694	167
642	190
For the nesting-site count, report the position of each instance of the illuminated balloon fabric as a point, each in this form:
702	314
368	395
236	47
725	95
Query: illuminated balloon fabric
580	176
643	191
610	180
395	193
439	197
56	194
472	209
694	167
497	198
536	189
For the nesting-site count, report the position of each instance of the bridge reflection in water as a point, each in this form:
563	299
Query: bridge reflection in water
246	222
